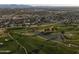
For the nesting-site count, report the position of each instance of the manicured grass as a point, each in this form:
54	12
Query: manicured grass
34	43
8	45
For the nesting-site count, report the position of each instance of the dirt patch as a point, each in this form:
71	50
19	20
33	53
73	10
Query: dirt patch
2	32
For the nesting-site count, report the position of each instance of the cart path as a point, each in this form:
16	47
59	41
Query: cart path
17	42
57	41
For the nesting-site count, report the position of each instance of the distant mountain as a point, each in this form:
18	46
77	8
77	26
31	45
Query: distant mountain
14	6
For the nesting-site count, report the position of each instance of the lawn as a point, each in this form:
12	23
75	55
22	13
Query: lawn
35	43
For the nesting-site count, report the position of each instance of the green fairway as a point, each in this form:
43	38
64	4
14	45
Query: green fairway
24	40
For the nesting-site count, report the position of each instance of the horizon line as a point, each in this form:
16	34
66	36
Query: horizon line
62	5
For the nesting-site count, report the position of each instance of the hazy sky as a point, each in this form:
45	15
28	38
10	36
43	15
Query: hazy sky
43	2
